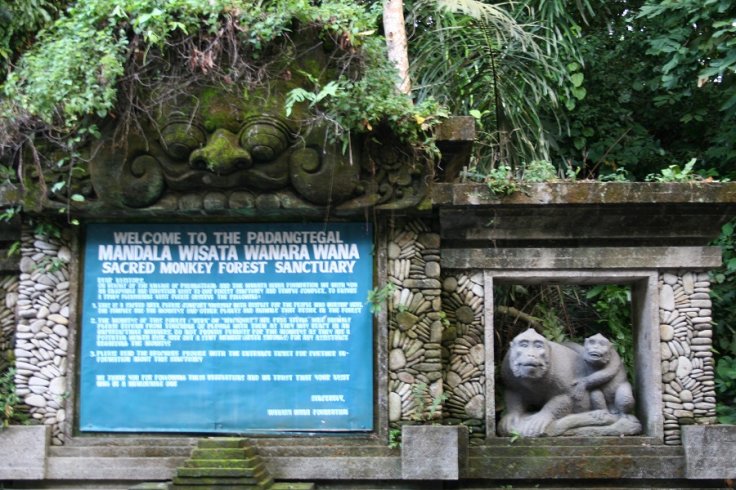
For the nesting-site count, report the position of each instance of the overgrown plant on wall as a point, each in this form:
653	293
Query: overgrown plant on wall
121	60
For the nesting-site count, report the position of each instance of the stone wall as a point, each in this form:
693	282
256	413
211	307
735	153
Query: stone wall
686	339
436	342
436	330
8	300
415	323
463	347
42	310
436	333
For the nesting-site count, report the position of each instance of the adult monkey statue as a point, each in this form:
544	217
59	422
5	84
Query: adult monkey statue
538	376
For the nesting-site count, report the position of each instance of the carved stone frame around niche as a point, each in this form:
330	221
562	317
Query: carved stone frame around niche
644	305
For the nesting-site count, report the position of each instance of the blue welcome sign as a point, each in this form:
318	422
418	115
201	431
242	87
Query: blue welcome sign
227	328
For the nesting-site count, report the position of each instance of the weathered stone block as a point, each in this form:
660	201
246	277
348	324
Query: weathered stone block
151	486
23	450
433	452
710	451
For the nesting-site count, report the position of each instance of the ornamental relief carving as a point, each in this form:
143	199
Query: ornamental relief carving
210	159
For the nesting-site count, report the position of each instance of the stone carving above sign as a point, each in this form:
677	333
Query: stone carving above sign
222	156
553	389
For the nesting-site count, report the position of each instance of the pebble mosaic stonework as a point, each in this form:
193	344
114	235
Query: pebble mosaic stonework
8	300
415	324
686	339
436	340
436	325
41	348
463	344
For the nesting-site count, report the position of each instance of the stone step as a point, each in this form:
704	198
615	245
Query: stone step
223	443
219	481
224	453
216	487
250	463
184	472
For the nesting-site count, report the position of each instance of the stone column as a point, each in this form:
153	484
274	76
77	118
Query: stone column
463	343
415	326
41	346
686	339
8	300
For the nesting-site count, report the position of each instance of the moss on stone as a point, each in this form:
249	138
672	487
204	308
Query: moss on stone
219	109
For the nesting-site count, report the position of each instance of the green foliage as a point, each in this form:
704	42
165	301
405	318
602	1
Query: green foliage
7	174
538	171
359	105
300	95
613	305
80	67
8	398
646	108
501	181
552	325
500	63
726	389
515	436
426	405
20	20
83	55
378	296
394	438
697	43
674	173
724	327
7	214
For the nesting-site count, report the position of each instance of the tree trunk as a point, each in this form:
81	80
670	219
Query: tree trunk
395	31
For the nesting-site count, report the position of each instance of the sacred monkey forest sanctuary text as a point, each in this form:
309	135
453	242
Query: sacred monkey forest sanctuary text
185	315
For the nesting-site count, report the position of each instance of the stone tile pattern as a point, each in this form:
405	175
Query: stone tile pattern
464	351
415	326
8	300
42	310
686	338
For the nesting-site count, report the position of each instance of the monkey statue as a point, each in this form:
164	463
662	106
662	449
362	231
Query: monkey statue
605	377
538	376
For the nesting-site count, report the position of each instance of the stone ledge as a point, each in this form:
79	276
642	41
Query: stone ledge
112	468
539	464
578	214
599	258
588	193
542	458
578	468
334	468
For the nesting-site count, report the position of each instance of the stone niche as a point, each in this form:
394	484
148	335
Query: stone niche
653	239
644	296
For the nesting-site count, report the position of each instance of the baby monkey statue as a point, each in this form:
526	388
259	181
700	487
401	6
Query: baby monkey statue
554	389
